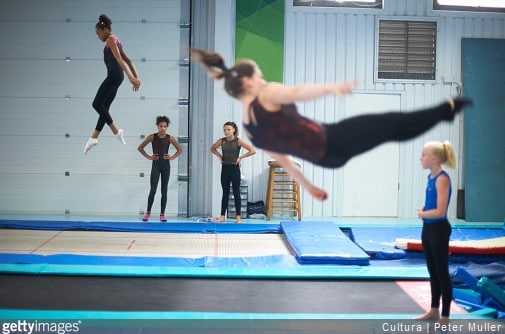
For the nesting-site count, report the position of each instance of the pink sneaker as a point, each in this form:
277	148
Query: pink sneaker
146	217
162	218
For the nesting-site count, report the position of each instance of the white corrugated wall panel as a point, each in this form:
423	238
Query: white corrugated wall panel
333	45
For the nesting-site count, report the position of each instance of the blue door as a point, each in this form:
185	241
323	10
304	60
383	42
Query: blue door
483	65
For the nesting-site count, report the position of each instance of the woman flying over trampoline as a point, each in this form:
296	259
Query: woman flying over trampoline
273	123
117	61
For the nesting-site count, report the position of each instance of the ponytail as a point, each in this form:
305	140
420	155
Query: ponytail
217	69
444	152
450	154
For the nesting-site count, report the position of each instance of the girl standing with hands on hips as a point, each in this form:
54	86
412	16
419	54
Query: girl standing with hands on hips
230	159
272	121
117	63
436	228
160	163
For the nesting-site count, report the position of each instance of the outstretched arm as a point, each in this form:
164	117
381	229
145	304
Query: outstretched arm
279	94
296	173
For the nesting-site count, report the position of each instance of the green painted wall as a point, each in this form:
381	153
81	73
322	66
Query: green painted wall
259	35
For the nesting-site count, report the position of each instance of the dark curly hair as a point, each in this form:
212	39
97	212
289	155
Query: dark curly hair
103	22
161	119
234	126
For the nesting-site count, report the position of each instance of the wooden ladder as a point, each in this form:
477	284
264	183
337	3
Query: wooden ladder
283	193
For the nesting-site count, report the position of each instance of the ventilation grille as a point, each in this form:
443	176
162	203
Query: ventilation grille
407	50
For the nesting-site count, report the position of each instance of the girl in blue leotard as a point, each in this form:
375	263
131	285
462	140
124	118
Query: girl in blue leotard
436	228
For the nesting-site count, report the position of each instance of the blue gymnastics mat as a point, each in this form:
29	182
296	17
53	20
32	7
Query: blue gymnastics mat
373	253
167	227
322	243
276	266
381	245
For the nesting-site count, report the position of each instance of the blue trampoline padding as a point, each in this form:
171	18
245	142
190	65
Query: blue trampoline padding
284	261
464	276
467	295
467	234
256	267
74	259
118	316
296	271
322	242
492	290
379	242
169	227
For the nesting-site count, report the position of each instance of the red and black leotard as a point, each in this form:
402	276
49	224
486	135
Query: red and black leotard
108	57
287	132
332	145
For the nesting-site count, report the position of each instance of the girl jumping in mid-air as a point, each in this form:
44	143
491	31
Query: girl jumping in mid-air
230	158
117	61
436	228
273	123
161	163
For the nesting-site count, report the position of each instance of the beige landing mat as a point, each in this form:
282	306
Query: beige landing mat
187	245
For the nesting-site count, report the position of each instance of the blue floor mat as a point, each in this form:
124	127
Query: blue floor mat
167	227
322	243
379	243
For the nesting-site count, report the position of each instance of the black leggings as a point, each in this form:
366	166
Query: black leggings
359	134
230	173
159	167
104	97
435	239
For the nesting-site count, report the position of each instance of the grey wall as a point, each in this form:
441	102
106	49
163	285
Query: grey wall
45	104
320	46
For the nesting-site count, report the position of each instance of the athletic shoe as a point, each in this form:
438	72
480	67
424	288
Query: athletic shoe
146	217
162	218
90	144
120	135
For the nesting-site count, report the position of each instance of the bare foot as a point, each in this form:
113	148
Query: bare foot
459	103
432	314
218	220
451	102
239	219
